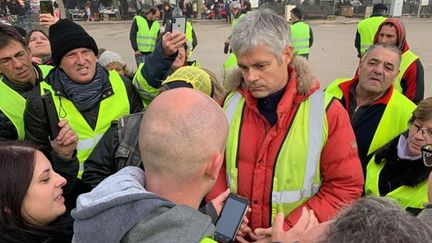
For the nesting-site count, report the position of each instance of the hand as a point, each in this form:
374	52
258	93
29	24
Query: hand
219	201
36	60
245	230
137	52
66	141
306	221
172	41
46	19
227	42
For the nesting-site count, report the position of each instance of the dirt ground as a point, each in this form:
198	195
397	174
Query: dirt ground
332	56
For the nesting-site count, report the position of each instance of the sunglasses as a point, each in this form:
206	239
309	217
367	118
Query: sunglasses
426	151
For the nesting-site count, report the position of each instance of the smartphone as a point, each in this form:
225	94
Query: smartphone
51	114
178	24
427	154
46	6
230	218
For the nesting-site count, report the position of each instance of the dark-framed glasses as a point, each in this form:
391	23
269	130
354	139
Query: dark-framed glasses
426	151
426	133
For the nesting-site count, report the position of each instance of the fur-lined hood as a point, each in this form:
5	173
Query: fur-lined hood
306	79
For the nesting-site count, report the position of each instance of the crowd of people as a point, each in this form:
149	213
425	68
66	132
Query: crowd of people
151	156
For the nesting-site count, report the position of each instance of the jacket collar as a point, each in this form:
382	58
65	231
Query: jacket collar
347	87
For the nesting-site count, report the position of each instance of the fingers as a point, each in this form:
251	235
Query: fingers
223	196
263	231
241	239
66	135
313	221
303	221
171	42
36	60
244	230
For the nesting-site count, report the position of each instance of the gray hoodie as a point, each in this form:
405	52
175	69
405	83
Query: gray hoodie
120	209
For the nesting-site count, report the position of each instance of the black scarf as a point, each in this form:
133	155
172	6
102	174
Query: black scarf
83	96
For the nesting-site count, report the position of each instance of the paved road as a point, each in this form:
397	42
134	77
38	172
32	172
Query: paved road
332	55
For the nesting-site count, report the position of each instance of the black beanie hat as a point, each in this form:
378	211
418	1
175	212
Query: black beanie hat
65	36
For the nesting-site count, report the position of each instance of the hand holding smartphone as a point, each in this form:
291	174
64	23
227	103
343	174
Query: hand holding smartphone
230	218
51	114
178	24
46	6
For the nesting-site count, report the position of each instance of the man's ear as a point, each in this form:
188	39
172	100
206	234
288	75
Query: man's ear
29	52
287	55
214	166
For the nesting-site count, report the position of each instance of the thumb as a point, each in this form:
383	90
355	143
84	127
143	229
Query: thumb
278	221
263	231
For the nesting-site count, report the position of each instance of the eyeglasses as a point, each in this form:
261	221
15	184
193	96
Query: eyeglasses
427	154
426	133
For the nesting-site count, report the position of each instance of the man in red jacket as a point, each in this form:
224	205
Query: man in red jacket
288	146
410	80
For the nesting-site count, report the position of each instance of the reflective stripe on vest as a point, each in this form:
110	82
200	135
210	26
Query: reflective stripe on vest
146	38
189	38
367	29
12	104
300	37
394	120
300	150
406	196
110	109
407	59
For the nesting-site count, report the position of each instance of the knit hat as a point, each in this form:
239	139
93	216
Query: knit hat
108	57
379	7
65	36
194	76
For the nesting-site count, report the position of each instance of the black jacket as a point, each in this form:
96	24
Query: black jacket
117	149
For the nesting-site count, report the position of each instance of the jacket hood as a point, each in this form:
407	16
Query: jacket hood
113	207
306	80
400	29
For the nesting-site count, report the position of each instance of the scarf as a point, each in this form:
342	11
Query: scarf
83	96
402	150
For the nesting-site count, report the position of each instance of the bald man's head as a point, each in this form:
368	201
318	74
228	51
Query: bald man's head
180	131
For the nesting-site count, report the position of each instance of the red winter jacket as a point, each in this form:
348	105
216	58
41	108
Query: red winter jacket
341	172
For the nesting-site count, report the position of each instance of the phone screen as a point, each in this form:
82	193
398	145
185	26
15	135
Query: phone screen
231	217
46	6
178	24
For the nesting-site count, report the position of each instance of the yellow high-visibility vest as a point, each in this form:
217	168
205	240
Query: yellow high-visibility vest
12	104
110	109
300	35
367	29
146	38
406	196
301	150
406	60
